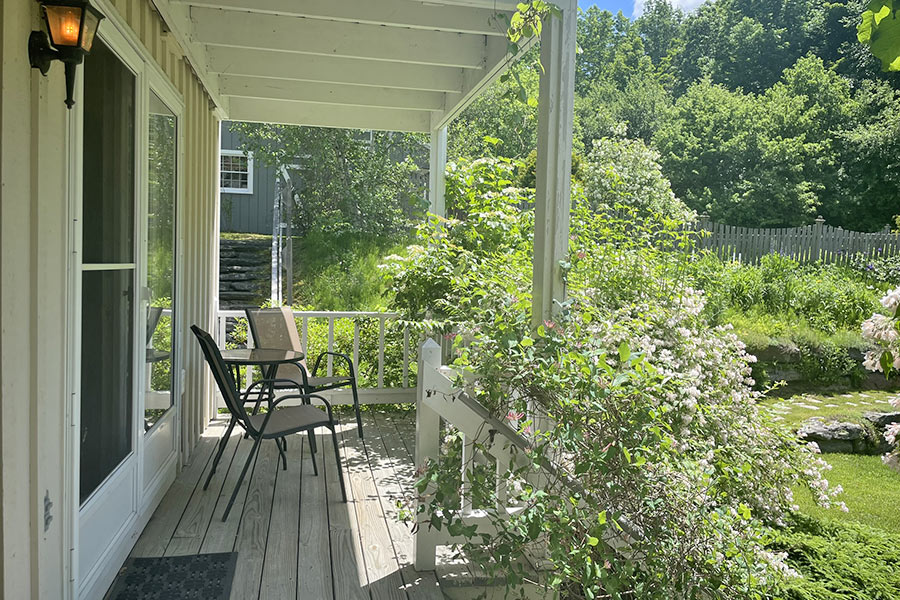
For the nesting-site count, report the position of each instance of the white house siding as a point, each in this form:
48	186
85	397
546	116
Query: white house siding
33	286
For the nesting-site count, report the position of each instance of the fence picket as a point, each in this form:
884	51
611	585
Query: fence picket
807	243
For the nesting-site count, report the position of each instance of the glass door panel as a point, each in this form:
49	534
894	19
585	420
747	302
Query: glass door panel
108	272
161	171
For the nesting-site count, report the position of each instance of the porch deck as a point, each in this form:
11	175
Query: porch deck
293	535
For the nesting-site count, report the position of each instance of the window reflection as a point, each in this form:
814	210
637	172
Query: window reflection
160	260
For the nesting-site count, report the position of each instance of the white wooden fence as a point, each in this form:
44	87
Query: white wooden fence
809	243
380	393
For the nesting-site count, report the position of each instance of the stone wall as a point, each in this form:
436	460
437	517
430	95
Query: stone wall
244	272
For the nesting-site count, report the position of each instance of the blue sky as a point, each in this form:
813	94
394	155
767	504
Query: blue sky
613	6
627	6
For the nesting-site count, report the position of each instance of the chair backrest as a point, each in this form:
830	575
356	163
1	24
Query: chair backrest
275	328
153	315
221	374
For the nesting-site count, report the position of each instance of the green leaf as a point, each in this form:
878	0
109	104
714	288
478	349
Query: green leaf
624	352
527	342
592	541
601	518
879	29
744	511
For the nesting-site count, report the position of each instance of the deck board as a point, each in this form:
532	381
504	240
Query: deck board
294	537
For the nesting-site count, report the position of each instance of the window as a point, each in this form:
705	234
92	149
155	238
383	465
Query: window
235	172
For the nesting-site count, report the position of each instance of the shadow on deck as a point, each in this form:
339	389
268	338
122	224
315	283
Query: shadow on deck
293	535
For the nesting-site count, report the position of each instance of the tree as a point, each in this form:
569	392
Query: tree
350	181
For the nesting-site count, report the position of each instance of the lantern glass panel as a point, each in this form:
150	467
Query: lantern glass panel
91	21
64	24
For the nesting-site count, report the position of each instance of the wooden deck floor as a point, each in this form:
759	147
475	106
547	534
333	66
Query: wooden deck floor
293	535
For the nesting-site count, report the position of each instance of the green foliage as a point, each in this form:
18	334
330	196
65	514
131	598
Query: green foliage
349	182
494	124
765	113
621	171
883	269
839	561
648	409
827	297
880	31
340	271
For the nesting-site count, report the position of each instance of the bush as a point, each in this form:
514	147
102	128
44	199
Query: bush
828	297
883	269
620	171
647	408
838	561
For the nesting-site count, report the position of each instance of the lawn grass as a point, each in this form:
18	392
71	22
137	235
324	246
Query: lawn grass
848	406
871	492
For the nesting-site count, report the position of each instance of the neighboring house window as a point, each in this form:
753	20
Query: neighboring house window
235	172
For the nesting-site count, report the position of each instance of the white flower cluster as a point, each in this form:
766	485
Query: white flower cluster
883	332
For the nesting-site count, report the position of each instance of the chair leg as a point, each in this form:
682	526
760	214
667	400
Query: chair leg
312	442
240	480
312	450
337	458
222	443
281	452
356	406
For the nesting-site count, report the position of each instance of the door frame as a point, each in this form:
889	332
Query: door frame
119	37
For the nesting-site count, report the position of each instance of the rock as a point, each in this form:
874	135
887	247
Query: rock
882	419
834	436
843	437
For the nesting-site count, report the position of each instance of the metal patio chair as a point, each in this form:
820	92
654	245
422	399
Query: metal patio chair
276	328
274	424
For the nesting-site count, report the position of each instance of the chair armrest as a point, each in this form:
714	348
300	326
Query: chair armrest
307	398
338	355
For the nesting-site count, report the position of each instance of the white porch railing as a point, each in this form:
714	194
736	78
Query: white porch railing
375	386
438	398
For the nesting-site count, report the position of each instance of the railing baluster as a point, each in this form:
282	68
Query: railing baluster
304	327
330	345
468	460
405	381
380	352
501	485
356	346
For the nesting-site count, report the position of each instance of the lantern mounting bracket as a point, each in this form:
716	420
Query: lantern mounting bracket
40	53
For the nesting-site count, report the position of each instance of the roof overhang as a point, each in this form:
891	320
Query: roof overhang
400	65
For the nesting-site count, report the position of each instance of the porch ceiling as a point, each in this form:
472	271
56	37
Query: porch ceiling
402	65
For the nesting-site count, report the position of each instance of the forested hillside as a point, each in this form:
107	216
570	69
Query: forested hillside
763	113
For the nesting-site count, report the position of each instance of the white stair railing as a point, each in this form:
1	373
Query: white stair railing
438	398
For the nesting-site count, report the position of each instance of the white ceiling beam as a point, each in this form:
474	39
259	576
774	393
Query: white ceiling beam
474	82
393	13
331	69
330	38
329	93
322	115
505	5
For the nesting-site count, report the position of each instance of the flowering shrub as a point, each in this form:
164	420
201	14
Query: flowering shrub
668	475
621	171
883	330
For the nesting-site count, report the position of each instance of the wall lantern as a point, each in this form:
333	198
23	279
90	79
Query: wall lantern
72	25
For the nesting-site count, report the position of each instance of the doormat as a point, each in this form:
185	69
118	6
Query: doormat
191	577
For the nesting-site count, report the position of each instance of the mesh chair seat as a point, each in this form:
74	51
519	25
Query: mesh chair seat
288	420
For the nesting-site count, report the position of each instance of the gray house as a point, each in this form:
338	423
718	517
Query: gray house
247	189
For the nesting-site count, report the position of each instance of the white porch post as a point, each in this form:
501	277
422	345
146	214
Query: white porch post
554	160
437	163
